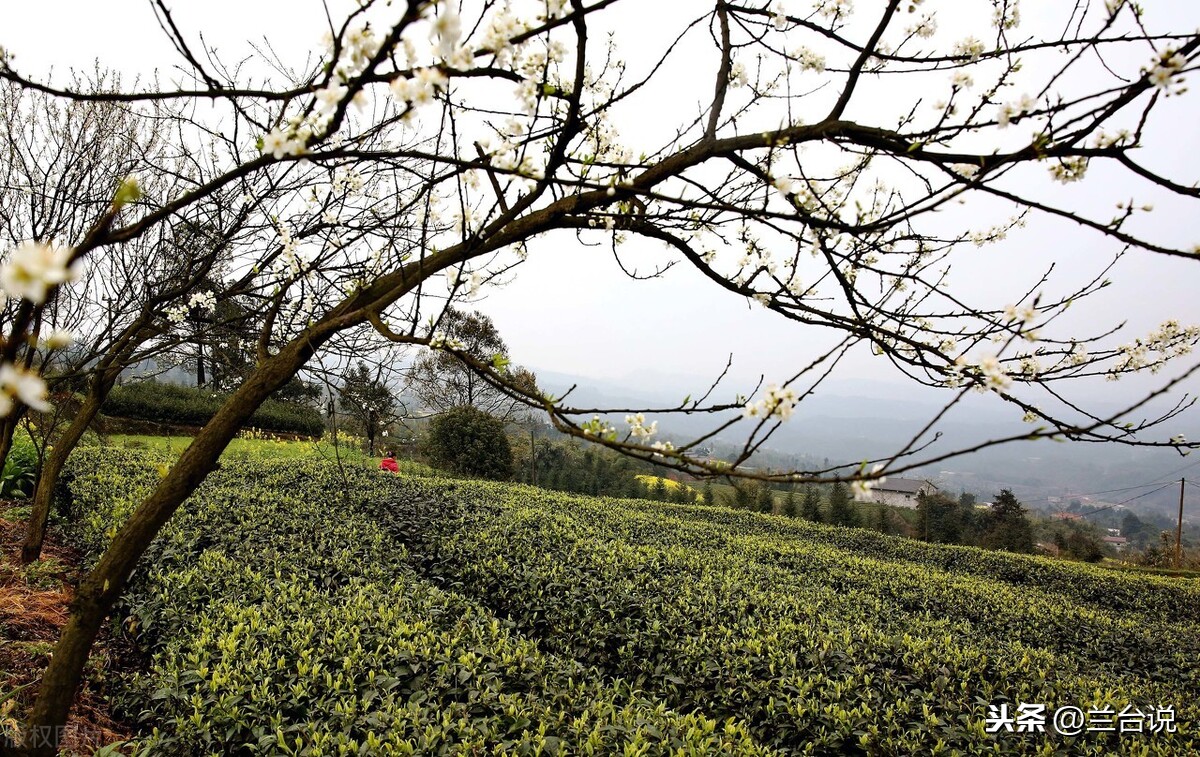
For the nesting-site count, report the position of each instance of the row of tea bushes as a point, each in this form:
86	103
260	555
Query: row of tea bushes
1082	583
1128	641
277	619
195	406
750	621
819	648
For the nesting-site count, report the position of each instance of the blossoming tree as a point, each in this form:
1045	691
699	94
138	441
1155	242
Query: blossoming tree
811	177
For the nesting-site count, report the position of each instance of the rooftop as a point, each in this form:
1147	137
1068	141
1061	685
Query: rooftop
905	485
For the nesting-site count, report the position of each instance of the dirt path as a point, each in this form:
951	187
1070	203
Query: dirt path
34	603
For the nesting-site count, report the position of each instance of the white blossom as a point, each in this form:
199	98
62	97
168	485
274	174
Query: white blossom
836	9
1067	170
809	60
966	170
861	488
925	28
59	338
1009	111
330	96
1007	15
784	184
203	300
33	268
638	428
279	143
597	427
420	89
441	341
1024	314
20	384
738	76
969	48
1165	70
778	403
446	30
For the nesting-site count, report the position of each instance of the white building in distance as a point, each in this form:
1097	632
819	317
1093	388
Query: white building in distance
901	492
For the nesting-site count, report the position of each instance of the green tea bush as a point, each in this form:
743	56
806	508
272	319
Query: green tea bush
273	628
818	648
191	406
298	608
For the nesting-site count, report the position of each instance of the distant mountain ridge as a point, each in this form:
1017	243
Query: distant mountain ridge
875	419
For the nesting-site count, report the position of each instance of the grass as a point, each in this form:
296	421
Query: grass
671	485
1117	565
725	495
255	446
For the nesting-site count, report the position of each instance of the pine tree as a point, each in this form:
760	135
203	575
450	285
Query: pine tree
790	505
841	510
884	522
810	509
765	501
709	497
1008	526
743	497
682	495
659	491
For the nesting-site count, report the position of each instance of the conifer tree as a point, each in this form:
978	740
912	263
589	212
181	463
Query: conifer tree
810	509
765	499
841	509
790	505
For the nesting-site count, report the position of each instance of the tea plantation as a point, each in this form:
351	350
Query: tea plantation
298	608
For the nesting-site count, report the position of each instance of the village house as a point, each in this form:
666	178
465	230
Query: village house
901	492
1116	542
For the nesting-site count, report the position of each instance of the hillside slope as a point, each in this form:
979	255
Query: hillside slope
306	609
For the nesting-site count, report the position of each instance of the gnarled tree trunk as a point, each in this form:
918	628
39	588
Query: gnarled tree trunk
100	590
8	427
43	496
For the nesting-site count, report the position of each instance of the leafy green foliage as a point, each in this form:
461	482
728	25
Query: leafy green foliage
574	625
791	504
1080	544
822	639
841	508
1008	526
189	406
442	382
764	499
369	401
810	509
274	629
569	466
20	468
946	520
468	441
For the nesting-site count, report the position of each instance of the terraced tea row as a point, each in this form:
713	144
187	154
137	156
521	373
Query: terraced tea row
299	607
815	646
288	624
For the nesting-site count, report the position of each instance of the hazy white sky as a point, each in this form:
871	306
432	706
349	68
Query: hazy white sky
570	309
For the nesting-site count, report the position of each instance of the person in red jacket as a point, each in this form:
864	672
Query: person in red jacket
389	463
